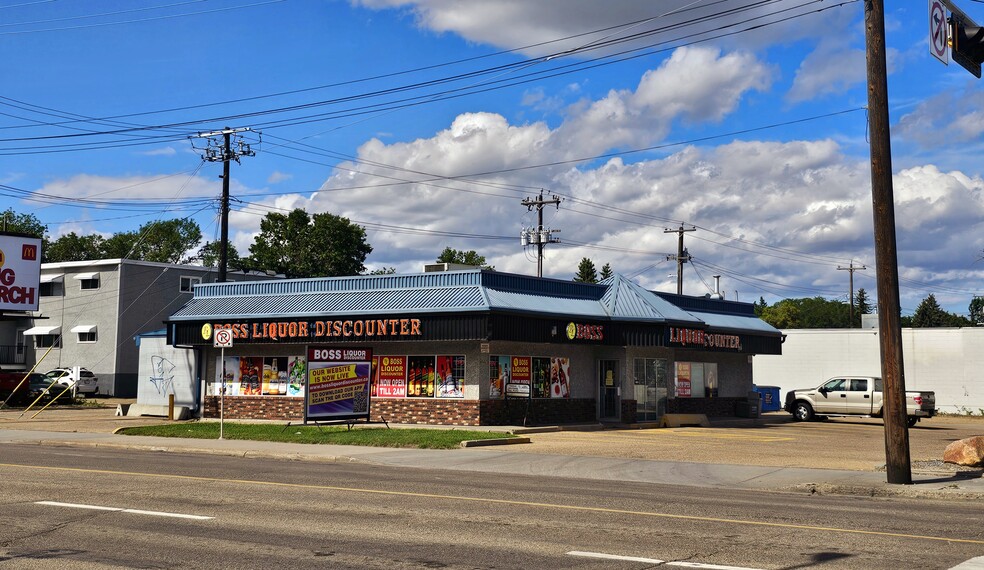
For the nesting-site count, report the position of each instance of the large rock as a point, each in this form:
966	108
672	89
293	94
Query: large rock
968	451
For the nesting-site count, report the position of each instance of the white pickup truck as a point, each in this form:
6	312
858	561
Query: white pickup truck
858	396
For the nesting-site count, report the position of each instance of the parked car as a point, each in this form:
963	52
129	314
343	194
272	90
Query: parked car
859	396
87	383
41	385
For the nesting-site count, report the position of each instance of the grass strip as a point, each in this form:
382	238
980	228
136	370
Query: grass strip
335	435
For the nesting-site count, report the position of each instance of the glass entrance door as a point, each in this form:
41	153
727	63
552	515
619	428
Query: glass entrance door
608	389
649	381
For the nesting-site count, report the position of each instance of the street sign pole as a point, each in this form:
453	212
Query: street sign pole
222	395
222	339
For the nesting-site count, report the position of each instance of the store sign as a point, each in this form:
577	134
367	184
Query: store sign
20	273
338	383
580	331
304	330
702	339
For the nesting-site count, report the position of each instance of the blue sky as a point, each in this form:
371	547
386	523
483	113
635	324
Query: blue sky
429	121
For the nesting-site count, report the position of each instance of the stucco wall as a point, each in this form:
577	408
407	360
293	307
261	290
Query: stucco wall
948	361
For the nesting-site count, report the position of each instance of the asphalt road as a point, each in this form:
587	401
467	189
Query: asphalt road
194	511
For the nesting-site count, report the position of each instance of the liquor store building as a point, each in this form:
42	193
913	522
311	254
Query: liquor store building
472	347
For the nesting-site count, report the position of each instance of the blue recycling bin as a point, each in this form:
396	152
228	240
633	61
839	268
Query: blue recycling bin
771	401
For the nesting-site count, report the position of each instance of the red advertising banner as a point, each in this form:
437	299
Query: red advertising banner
521	366
683	376
390	376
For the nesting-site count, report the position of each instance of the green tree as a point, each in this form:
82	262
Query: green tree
22	224
760	306
976	311
586	272
209	255
299	245
470	257
783	315
861	305
167	241
606	271
73	247
929	314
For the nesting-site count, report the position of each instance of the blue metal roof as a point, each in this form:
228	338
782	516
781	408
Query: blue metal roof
617	298
627	301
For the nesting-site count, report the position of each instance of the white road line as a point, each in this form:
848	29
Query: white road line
613	557
119	510
707	566
604	556
972	564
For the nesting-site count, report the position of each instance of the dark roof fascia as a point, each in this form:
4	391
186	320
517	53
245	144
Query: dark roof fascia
515	283
707	305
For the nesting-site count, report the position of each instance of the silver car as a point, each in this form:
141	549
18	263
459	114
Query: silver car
87	383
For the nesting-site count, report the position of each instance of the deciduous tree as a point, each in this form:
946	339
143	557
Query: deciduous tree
300	245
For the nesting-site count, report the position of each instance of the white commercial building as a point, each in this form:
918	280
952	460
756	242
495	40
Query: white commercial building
948	361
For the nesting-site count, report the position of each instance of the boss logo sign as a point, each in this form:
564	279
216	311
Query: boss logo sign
577	331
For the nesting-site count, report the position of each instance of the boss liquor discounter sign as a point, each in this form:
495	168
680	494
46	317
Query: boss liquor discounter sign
338	383
20	272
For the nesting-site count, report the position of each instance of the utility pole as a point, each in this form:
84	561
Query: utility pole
540	236
897	461
851	269
682	255
221	150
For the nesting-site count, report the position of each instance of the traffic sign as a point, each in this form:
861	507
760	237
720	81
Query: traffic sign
222	338
938	29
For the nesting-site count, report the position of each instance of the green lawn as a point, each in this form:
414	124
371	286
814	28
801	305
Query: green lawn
339	435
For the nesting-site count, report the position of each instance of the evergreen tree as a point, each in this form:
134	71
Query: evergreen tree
861	305
606	271
976	311
586	272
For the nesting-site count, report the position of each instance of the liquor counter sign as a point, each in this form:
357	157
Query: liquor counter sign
338	383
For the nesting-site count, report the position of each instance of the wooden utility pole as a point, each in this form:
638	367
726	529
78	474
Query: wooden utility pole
852	268
540	236
221	150
682	256
897	461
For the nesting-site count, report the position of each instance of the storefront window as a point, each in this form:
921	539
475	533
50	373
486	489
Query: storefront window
695	380
649	380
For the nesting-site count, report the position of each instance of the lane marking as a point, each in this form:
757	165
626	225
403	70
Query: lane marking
122	510
556	506
655	561
604	556
972	564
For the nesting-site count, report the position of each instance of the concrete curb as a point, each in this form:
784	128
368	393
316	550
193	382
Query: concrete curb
501	441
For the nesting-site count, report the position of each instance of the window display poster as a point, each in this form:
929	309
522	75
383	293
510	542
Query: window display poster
450	376
560	373
338	383
275	375
227	374
498	375
389	376
296	375
541	376
249	376
518	385
683	380
420	378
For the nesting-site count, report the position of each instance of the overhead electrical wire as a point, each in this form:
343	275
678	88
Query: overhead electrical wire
498	84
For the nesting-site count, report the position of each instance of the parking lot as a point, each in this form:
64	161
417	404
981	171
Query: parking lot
771	440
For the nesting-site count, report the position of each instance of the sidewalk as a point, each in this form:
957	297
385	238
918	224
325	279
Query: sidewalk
504	460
